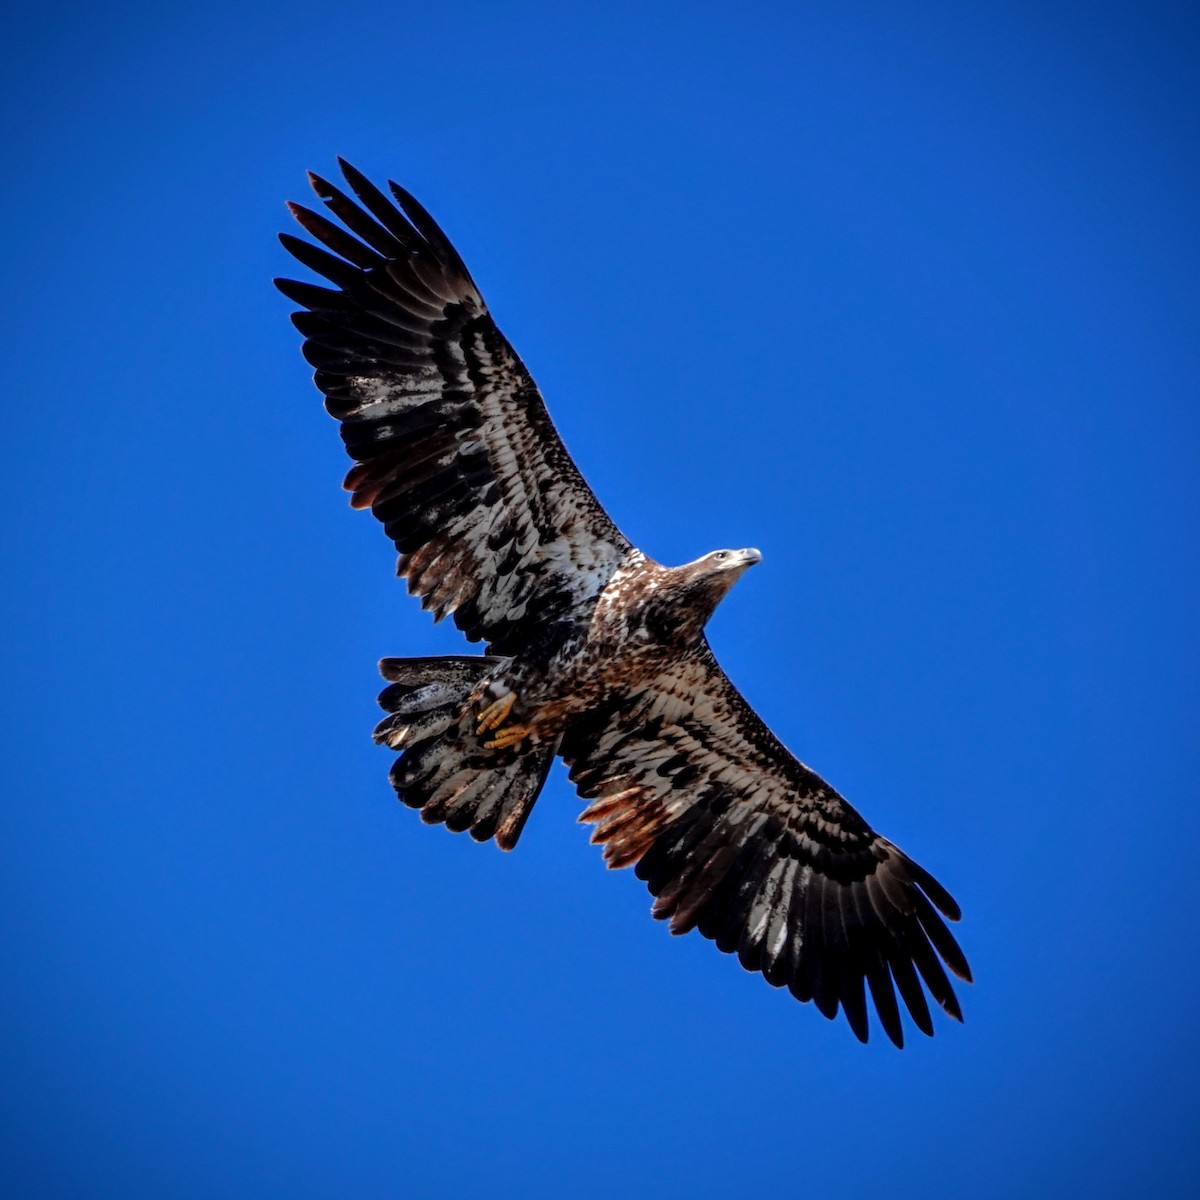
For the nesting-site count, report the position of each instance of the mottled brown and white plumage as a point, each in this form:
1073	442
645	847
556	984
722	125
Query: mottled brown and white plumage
594	652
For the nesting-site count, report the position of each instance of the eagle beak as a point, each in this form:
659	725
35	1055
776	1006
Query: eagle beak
751	556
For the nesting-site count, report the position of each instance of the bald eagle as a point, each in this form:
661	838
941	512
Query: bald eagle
594	652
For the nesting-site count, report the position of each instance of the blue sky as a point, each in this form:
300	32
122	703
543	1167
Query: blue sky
903	295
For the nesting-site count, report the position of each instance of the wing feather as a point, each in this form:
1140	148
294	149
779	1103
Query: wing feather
453	446
736	838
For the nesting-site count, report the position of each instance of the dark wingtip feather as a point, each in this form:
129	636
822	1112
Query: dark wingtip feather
334	269
356	179
416	213
429	229
853	989
945	902
879	982
359	183
336	238
904	974
854	1005
376	203
944	943
941	937
406	198
297	292
951	1007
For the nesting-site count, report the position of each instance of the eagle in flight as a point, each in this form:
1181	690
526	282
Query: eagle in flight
594	651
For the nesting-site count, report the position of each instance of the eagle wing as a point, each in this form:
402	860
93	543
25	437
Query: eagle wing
737	838
455	451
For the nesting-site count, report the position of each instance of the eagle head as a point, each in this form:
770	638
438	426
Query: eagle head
696	588
723	568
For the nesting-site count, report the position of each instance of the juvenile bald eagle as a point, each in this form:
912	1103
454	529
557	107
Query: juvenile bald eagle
594	651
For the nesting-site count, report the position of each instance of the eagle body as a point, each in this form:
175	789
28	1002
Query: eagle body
594	652
646	618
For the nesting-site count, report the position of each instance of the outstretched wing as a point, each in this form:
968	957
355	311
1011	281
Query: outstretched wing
455	451
738	839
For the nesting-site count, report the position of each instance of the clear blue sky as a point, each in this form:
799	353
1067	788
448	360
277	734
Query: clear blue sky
905	295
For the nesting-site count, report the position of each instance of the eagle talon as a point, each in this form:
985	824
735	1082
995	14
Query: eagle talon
496	713
510	735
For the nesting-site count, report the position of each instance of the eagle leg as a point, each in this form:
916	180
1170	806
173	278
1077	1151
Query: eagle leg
510	735
496	713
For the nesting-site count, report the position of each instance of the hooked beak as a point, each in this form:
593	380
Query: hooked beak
750	556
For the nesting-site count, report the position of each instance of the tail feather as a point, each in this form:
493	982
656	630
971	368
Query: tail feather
402	729
466	670
445	769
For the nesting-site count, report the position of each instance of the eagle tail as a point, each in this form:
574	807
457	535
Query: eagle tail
445	769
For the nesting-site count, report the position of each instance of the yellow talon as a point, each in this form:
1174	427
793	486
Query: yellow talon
496	713
510	735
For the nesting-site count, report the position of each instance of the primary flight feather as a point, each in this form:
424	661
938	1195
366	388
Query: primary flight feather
595	652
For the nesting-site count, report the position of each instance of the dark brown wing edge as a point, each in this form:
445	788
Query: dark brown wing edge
456	453
765	859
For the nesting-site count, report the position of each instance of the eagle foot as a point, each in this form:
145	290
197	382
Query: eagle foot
496	713
510	735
